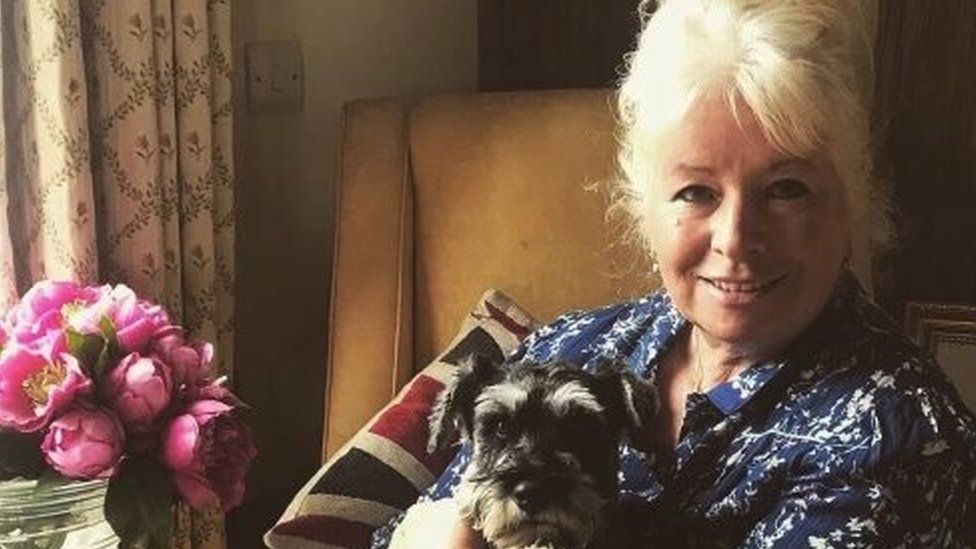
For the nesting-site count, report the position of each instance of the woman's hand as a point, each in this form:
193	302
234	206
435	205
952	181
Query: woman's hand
463	536
438	525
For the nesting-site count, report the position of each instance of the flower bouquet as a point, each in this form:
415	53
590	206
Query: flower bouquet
97	386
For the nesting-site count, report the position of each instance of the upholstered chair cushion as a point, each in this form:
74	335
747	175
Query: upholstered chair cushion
385	466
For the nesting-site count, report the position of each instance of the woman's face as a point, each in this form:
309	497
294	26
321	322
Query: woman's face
749	241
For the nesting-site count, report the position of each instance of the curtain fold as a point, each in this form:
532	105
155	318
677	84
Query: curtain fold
116	162
46	163
8	275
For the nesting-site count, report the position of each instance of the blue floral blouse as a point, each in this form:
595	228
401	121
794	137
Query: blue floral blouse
853	438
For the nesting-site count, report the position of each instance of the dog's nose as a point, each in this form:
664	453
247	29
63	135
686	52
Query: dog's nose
529	496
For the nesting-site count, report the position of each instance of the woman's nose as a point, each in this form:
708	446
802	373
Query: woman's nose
737	228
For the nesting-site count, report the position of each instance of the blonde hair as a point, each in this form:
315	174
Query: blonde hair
803	67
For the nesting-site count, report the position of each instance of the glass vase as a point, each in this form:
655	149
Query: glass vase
68	516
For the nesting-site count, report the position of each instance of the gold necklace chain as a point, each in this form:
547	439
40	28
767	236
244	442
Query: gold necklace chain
700	368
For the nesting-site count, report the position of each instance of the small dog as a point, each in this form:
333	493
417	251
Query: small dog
543	469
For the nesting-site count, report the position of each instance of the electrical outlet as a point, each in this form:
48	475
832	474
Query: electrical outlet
274	76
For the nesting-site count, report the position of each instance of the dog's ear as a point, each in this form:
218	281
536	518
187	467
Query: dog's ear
453	411
632	401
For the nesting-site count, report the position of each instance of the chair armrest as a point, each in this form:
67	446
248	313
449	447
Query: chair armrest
370	325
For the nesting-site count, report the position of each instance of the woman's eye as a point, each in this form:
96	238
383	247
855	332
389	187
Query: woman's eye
787	189
695	194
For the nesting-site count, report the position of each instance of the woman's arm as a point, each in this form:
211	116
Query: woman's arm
822	514
926	503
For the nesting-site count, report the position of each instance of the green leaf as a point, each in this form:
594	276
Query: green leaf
102	362
48	480
139	503
108	330
87	348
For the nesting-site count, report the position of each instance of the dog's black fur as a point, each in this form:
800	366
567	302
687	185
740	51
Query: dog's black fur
545	446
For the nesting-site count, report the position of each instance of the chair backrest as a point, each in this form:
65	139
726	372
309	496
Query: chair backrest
462	193
510	193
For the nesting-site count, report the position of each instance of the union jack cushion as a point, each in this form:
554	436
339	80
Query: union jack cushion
386	466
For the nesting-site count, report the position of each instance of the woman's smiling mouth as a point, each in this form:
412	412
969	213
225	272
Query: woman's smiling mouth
740	291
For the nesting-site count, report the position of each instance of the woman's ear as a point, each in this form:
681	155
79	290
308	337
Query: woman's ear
453	411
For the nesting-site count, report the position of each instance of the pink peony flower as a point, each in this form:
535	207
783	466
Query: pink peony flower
190	363
51	296
38	320
135	320
215	390
33	387
166	339
3	335
209	451
138	389
84	443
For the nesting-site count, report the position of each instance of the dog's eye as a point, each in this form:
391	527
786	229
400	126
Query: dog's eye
498	427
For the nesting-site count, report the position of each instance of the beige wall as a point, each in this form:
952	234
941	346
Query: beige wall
285	171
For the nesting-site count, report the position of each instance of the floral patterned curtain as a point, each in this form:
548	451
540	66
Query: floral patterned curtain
116	162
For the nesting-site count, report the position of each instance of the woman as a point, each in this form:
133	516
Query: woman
794	412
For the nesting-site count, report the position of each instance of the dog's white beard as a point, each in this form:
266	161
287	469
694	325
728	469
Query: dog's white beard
506	526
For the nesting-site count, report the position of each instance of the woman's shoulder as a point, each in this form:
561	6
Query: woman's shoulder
892	361
918	406
878	378
609	330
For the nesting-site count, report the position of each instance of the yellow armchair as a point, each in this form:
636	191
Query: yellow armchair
439	202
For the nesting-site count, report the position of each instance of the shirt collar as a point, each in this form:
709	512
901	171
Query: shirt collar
733	394
665	324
